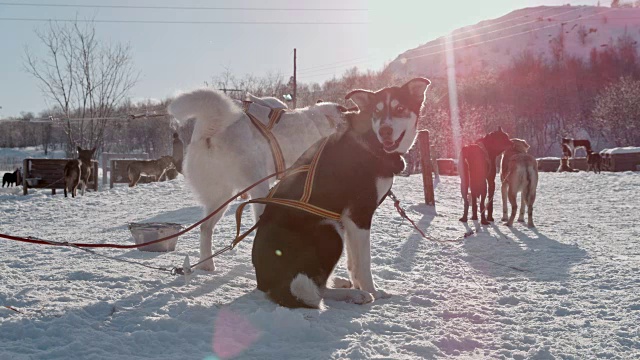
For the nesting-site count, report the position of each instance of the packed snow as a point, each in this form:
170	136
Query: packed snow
568	289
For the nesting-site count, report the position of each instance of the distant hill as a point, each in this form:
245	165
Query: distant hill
552	31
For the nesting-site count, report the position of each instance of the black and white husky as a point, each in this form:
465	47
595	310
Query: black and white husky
295	252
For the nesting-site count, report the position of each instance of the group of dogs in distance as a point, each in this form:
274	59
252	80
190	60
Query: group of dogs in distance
519	174
595	160
78	171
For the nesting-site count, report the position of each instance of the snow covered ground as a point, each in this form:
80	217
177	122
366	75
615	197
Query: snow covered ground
578	298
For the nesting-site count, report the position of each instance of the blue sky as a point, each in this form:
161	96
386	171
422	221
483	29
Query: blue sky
174	57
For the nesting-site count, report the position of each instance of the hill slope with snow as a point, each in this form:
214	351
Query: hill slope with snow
493	44
578	296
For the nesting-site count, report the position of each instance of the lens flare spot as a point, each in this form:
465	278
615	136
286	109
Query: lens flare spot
278	252
232	334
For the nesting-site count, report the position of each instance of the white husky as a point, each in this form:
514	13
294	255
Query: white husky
228	153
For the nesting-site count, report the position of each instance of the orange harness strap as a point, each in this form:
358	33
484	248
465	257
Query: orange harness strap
266	131
302	204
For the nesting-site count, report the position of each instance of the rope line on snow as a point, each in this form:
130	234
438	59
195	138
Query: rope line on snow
403	214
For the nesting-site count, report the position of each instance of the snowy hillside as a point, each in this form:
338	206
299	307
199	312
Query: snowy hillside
577	298
493	44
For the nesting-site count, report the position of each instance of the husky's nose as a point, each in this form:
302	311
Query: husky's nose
385	132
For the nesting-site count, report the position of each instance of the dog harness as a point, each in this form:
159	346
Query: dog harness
302	204
266	131
256	112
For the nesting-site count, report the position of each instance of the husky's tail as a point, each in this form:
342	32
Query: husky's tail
212	109
463	171
302	292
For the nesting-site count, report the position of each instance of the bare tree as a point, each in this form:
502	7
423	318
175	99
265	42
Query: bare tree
86	78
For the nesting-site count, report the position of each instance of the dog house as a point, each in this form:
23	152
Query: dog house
106	162
622	159
49	173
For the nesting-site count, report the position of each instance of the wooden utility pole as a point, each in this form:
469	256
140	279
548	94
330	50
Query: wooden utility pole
427	168
295	84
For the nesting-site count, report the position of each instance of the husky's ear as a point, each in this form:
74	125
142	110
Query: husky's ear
417	87
362	98
79	149
93	151
500	129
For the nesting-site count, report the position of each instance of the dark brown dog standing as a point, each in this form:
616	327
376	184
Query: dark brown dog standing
11	178
594	161
477	169
78	171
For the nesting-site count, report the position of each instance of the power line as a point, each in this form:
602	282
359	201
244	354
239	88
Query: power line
179	7
314	69
193	22
486	41
330	72
487	33
337	62
505	37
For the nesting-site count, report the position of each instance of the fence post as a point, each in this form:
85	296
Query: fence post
25	173
105	161
95	178
427	169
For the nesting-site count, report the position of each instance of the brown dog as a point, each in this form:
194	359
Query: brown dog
564	166
78	171
522	177
519	147
594	161
156	168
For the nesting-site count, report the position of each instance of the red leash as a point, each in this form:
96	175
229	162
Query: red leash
133	246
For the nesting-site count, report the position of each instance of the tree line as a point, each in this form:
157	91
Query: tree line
535	98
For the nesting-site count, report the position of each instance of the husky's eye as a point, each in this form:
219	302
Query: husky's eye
400	109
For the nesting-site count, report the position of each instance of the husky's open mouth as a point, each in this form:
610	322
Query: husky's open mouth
390	146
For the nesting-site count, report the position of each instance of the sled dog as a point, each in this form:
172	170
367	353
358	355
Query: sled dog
522	177
228	152
155	168
77	172
295	251
519	147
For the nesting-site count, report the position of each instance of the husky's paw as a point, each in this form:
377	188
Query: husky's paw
504	218
530	224
381	294
341	283
207	266
490	218
521	219
463	219
509	224
359	297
